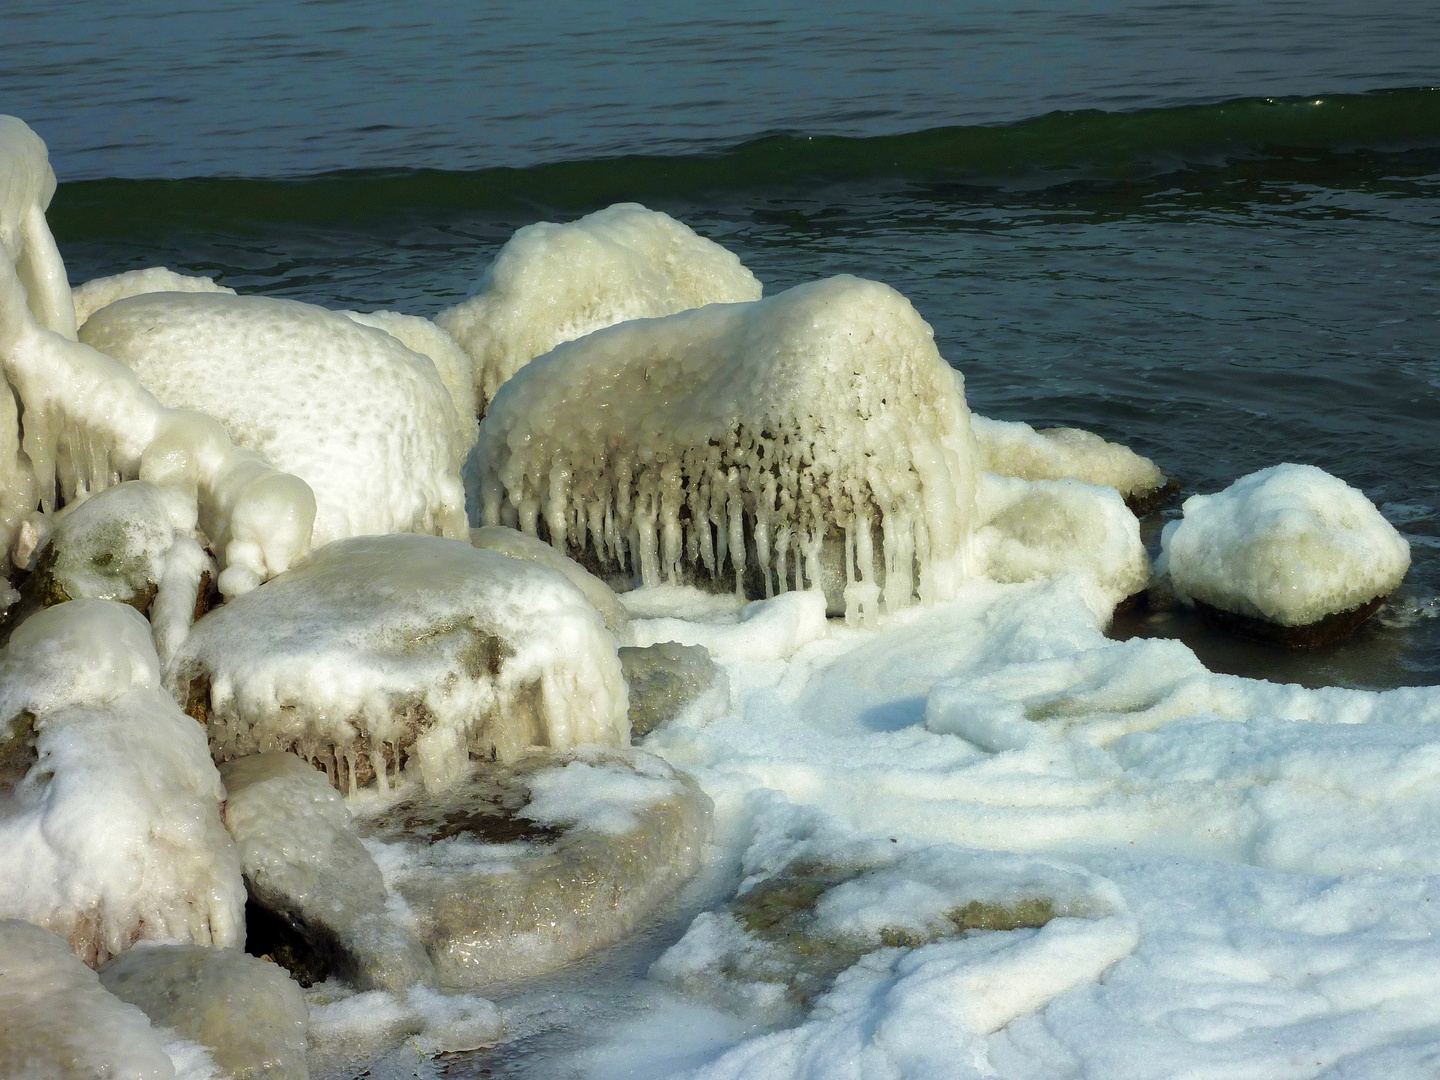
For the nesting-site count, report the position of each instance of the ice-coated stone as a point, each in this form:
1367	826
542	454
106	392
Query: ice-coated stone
385	652
111	834
103	291
521	869
517	545
58	1023
363	420
663	679
741	436
1281	549
305	865
552	283
247	1012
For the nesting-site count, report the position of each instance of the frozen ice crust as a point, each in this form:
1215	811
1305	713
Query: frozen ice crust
99	292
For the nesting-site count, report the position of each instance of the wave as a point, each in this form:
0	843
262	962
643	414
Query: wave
1055	148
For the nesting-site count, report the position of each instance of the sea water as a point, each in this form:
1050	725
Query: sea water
1208	231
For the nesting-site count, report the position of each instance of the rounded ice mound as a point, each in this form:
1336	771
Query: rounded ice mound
1290	545
103	291
552	283
518	870
734	439
363	420
110	829
517	545
386	651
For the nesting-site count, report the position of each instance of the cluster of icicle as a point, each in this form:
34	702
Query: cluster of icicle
88	423
762	430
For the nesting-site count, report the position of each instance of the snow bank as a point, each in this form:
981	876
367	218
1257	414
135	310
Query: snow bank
1011	448
1290	544
762	630
552	283
386	650
730	440
102	291
367	423
113	835
89	424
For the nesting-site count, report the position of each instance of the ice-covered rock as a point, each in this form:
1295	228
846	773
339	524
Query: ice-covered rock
111	832
1048	528
517	545
88	423
351	1032
363	420
99	292
248	1013
1284	548
733	439
552	283
664	679
387	651
304	864
1012	448
519	870
58	1023
134	543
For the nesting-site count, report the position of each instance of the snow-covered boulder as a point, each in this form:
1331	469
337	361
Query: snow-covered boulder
520	870
305	865
1012	448
552	283
112	835
58	1023
245	1011
363	420
733	439
1289	553
518	545
102	291
383	652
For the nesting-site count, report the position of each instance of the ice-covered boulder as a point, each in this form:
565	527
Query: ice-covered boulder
552	283
1046	528
363	420
733	439
99	292
87	421
518	545
305	866
1012	448
519	870
248	1013
111	834
58	1023
134	543
664	679
1289	553
383	652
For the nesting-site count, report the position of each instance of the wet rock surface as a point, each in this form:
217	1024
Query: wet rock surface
663	679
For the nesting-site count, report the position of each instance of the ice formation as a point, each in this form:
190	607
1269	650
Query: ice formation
99	292
517	545
1011	448
383	651
350	1033
1289	544
667	678
552	283
245	1011
89	424
732	439
58	1023
1047	528
520	870
304	864
366	422
111	832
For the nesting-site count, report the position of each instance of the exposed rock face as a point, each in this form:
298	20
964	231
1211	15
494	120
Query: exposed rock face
305	866
247	1012
387	653
663	679
520	870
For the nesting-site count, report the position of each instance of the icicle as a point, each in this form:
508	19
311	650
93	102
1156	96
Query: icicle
557	499
380	765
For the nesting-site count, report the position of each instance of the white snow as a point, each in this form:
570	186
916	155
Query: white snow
761	630
556	282
1012	448
517	545
1290	544
114	833
824	409
99	292
379	649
